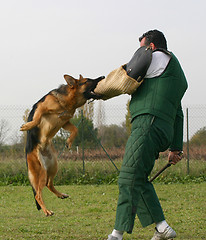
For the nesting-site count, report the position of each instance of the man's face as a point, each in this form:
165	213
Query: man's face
143	43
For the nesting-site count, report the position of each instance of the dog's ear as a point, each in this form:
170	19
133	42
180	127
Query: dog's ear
80	77
70	80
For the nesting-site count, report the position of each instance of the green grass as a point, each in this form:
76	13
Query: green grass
89	213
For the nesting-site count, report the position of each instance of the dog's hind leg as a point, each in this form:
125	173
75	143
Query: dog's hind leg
38	178
51	173
51	187
42	183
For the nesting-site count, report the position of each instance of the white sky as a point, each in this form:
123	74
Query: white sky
43	39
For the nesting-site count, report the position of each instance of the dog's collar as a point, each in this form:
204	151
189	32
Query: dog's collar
65	114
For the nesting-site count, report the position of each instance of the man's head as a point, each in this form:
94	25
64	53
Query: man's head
153	38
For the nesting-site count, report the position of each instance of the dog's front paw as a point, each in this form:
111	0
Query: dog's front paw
24	127
68	144
27	126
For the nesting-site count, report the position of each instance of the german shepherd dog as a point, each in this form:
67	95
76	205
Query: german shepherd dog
47	116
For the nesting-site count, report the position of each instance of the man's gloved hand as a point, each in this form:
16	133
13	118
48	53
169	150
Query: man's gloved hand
174	157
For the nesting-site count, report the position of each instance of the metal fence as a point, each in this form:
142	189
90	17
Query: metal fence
104	113
11	118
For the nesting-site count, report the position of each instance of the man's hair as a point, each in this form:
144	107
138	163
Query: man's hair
156	37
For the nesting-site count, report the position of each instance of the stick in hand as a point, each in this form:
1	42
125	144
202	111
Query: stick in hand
161	170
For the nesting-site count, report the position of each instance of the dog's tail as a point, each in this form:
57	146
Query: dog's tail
31	142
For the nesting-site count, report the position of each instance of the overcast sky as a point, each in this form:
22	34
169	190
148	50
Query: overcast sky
41	40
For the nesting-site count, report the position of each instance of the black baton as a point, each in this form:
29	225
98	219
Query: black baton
165	167
160	171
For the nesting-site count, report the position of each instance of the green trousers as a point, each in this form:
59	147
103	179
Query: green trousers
149	136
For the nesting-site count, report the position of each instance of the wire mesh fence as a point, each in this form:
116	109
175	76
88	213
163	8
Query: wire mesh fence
100	144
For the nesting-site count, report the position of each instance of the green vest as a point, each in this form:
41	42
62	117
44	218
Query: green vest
161	96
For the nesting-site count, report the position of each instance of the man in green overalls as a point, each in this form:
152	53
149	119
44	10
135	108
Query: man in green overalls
157	124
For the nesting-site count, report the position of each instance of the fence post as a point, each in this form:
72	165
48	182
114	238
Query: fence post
82	121
188	151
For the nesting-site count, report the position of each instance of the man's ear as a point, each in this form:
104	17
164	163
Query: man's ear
70	80
152	46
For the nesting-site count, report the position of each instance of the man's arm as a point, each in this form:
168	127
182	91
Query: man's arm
176	146
177	142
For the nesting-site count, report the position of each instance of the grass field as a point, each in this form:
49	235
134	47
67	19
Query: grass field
89	213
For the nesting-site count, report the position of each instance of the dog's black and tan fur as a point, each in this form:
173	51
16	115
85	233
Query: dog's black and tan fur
48	115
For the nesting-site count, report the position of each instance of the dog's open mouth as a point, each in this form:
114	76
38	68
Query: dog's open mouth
91	85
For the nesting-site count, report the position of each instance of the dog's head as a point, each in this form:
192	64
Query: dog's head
84	86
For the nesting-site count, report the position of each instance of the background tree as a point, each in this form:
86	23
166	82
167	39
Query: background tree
199	138
26	115
113	136
100	114
4	129
89	132
87	109
24	133
128	119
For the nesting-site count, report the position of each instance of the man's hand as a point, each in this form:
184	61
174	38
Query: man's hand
174	157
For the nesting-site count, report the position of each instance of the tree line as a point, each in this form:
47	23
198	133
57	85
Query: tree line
110	136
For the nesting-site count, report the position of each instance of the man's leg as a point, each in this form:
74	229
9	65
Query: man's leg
136	194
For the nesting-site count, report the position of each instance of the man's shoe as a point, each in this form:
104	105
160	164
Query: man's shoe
168	233
110	237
